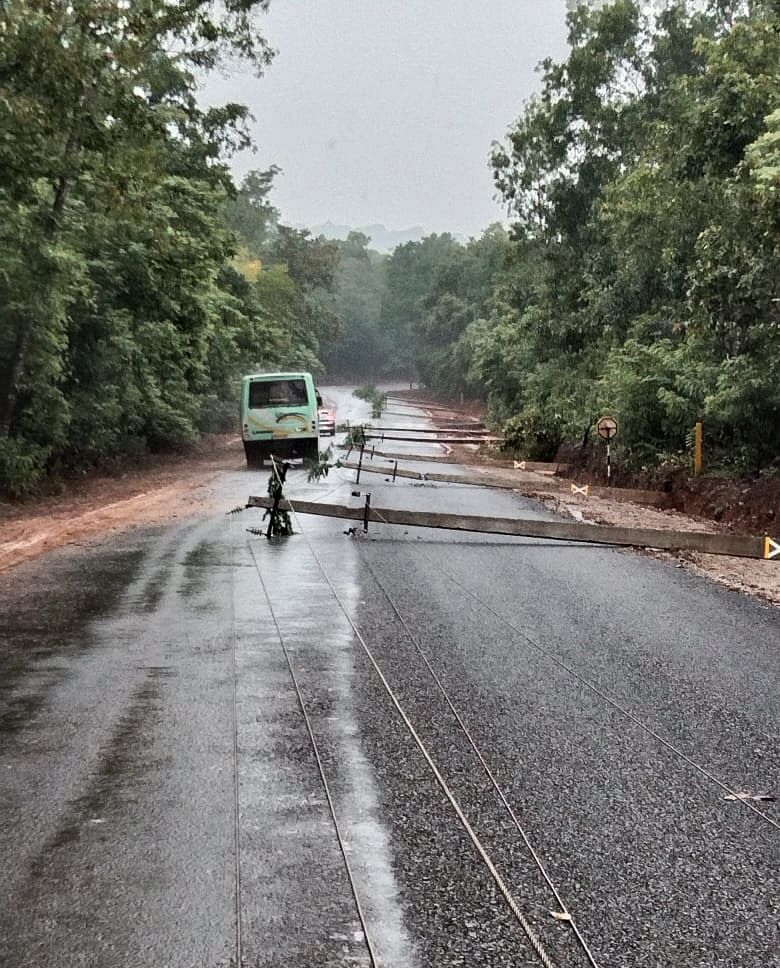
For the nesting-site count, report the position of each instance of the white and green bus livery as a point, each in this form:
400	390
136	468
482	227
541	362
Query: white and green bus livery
278	416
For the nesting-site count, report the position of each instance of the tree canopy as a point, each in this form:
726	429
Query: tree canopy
641	180
639	275
125	316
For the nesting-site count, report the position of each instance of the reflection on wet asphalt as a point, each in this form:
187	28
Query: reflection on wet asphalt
118	788
306	914
160	803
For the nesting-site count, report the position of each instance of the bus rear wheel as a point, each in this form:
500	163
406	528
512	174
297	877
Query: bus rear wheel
255	456
311	450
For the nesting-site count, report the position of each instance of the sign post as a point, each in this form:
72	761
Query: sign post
697	448
607	428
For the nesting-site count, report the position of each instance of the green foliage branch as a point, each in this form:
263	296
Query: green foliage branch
125	320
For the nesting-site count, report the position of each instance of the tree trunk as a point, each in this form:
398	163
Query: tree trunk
10	377
14	368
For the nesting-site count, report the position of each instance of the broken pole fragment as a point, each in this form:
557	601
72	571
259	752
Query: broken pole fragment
656	498
453	429
714	544
278	518
473	439
392	455
360	461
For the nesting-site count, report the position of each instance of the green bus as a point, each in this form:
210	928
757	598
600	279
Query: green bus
279	416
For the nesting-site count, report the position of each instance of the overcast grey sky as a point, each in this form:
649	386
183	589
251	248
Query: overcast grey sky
383	111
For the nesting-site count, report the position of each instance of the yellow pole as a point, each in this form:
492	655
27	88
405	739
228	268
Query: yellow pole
697	458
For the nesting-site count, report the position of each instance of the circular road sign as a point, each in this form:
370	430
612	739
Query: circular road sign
607	428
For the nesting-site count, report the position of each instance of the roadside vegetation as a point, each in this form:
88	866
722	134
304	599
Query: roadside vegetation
639	276
377	398
137	282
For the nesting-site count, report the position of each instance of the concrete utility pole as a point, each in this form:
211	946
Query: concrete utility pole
647	5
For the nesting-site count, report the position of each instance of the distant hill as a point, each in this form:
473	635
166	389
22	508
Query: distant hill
382	239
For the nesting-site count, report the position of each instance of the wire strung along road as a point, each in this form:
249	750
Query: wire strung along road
551	800
239	900
370	949
532	938
610	700
492	793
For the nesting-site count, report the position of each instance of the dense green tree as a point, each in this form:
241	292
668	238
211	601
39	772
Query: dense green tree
460	297
361	351
643	185
310	265
89	93
292	275
123	323
410	274
250	213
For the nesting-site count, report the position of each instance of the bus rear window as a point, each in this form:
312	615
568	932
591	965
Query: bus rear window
277	393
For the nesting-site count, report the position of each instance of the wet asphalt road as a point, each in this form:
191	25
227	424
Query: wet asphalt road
161	804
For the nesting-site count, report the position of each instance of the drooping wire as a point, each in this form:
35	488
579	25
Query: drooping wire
236	787
567	916
595	689
528	930
612	702
320	767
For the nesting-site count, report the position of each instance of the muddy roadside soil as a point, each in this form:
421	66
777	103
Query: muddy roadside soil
158	489
153	490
